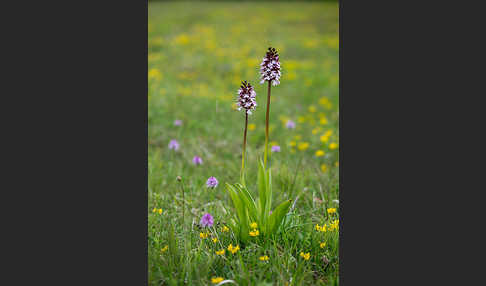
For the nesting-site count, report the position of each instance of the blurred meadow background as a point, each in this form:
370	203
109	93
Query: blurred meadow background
199	52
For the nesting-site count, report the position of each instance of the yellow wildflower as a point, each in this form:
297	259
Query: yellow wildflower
220	252
316	130
306	256
331	210
301	119
263	258
292	143
320	153
225	229
251	127
323	121
233	249
254	232
322	245
160	211
182	39
154	74
203	235
333	146
154	210
336	164
215	240
312	108
324	101
216	280
303	146
164	249
323	167
324	138
318	228
253	225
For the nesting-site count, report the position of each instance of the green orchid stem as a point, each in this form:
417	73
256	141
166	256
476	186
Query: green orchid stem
266	125
244	151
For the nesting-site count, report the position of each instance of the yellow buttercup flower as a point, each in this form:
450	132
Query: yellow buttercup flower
324	138
333	146
303	146
334	225
322	245
164	249
216	280
225	229
215	240
264	258
154	210
253	225
220	252
154	74
160	211
292	143
320	153
316	130
251	127
306	256
323	167
254	232
233	249
331	210
312	109
203	235
323	121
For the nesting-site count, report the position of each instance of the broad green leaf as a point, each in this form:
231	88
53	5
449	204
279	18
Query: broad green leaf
277	216
248	201
240	209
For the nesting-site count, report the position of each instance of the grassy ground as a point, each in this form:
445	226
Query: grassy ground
198	55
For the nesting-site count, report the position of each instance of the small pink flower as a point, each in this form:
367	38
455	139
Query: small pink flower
197	160
290	124
212	182
275	148
173	145
178	122
207	220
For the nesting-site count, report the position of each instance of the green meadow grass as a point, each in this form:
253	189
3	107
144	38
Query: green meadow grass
198	55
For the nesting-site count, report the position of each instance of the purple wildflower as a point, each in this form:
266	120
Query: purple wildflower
173	145
197	160
275	148
290	124
212	182
246	97
270	67
177	122
207	220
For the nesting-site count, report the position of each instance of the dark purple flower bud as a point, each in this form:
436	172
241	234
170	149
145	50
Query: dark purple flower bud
207	220
270	67
212	182
246	97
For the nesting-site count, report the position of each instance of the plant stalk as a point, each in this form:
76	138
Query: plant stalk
244	151
266	126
